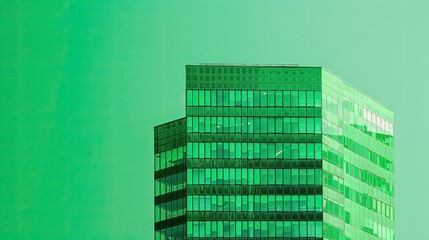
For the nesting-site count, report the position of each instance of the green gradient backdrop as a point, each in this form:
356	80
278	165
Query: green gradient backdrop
82	83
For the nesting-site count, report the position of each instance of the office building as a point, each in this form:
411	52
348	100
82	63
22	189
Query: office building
274	152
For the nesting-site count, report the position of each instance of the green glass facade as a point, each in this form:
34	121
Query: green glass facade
274	152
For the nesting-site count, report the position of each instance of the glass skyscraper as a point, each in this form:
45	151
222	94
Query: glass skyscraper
274	152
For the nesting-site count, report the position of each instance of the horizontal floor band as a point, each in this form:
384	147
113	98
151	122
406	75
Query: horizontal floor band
171	196
250	216
170	222
253	189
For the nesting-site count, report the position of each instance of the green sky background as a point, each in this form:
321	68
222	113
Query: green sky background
82	83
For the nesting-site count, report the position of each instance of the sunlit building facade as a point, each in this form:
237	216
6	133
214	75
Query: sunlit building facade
274	152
